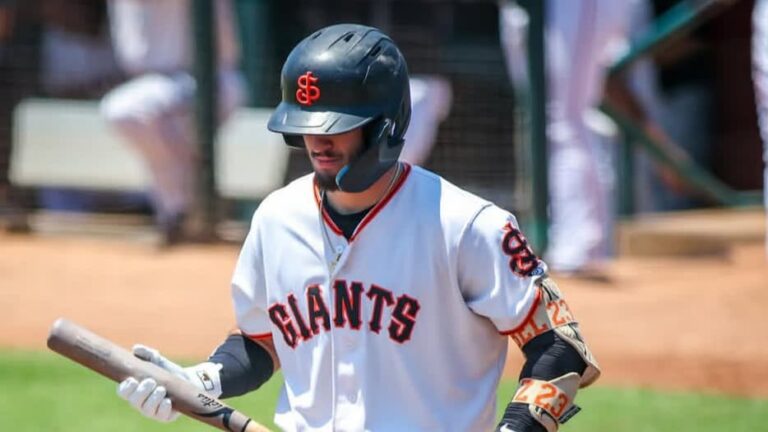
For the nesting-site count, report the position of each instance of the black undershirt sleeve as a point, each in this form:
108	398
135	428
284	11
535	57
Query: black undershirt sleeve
246	365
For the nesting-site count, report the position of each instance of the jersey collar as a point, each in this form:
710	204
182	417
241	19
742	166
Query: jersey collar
371	214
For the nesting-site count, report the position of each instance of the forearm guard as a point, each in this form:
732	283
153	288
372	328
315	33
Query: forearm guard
558	363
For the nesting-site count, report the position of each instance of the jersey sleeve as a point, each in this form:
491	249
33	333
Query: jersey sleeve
497	269
248	286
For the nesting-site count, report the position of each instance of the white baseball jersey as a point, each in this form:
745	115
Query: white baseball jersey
154	35
402	327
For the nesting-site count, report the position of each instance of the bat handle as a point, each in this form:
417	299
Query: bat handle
227	418
241	423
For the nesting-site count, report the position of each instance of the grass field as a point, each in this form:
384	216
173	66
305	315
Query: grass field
45	392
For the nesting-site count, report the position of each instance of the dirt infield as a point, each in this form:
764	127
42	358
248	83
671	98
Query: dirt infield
695	324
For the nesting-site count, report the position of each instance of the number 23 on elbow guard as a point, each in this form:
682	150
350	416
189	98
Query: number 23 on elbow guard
548	397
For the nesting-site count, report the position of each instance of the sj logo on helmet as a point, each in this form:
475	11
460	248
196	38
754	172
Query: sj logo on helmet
307	92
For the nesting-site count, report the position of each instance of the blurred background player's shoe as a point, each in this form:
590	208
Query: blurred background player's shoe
173	230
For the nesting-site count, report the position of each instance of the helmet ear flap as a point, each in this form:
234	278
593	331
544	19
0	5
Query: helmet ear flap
380	152
381	133
363	172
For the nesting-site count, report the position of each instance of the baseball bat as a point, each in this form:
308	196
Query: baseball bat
112	361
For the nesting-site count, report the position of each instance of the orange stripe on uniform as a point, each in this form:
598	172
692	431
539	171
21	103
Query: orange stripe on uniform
258	336
528	316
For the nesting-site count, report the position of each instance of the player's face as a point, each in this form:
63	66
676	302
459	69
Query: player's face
329	153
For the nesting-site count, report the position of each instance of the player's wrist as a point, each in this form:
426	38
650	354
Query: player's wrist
518	418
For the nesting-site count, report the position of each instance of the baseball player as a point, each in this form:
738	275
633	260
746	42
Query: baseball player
760	79
386	294
153	111
581	38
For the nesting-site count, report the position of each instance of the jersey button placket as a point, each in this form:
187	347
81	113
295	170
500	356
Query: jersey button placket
344	345
339	250
347	389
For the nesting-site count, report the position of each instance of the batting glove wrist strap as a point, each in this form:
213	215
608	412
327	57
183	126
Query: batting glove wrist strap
207	377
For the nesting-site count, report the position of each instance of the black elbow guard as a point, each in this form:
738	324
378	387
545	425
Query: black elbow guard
548	356
246	365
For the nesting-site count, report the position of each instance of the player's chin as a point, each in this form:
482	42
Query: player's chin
326	180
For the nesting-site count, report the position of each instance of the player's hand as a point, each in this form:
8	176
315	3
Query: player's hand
148	398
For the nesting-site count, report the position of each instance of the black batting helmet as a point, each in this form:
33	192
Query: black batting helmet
338	79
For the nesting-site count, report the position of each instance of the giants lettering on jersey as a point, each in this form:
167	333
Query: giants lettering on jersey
301	324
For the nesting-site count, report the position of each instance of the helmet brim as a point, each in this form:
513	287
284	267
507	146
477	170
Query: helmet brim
289	119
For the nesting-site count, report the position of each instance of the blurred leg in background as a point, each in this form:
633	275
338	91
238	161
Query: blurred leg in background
581	37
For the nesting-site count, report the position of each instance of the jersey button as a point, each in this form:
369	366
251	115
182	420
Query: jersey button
350	343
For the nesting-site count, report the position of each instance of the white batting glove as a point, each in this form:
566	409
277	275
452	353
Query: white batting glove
150	399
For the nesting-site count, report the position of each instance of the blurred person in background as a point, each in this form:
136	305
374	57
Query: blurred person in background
77	60
760	79
582	38
154	110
